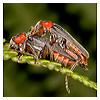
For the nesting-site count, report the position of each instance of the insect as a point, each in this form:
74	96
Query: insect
18	43
43	48
64	39
62	47
40	47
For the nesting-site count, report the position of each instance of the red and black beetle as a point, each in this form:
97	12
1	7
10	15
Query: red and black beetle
18	43
62	47
43	48
64	39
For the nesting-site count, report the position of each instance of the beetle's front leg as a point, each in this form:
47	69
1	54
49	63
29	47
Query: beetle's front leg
51	39
31	29
22	50
28	54
33	52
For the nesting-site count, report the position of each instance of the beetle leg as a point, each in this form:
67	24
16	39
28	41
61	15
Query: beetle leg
62	43
36	32
51	39
45	51
34	61
51	57
83	66
73	67
33	51
43	31
21	51
31	29
66	79
19	57
28	54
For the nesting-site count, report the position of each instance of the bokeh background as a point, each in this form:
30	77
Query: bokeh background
23	80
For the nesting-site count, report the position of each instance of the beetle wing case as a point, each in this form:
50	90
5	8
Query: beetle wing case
57	29
59	50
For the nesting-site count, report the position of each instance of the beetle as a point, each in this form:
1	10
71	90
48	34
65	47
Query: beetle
43	48
18	43
40	47
63	38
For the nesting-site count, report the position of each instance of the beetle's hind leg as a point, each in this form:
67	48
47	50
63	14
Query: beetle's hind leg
74	65
66	80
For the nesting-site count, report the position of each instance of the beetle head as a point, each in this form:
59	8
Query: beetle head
13	45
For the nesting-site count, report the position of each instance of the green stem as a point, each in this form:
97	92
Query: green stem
45	63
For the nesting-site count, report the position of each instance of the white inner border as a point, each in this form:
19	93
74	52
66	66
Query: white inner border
49	1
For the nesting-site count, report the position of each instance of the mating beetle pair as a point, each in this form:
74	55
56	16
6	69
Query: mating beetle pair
62	47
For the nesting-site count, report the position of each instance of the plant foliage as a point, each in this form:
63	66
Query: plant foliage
46	63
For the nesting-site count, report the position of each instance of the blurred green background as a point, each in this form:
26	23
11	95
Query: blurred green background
23	80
